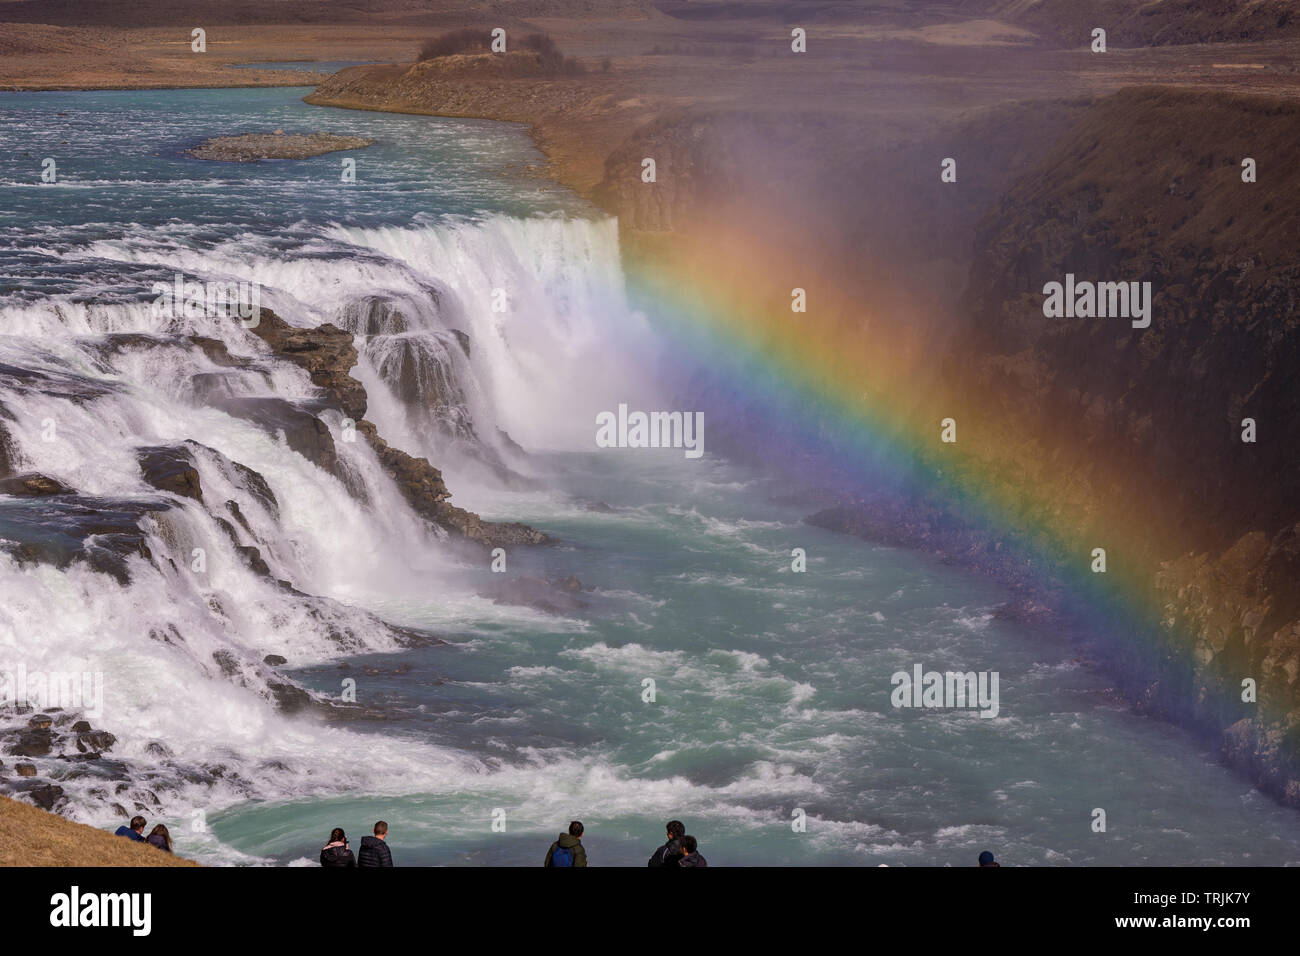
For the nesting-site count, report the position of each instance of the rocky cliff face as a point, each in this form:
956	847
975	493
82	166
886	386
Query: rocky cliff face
1137	192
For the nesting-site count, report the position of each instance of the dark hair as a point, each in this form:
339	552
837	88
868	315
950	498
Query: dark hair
137	823
338	836
689	844
575	828
161	831
676	829
381	828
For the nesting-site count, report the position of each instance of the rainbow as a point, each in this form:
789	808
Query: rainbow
860	393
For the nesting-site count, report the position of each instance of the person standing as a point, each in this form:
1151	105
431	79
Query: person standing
568	850
336	853
671	852
374	850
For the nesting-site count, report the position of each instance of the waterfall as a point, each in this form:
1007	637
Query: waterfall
273	547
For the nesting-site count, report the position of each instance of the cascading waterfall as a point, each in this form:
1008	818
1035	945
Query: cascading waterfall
281	555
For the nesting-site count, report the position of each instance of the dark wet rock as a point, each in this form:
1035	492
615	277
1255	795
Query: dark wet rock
289	697
235	512
372	671
302	430
463	339
422	486
510	444
112	344
96	741
489	533
81	727
8	456
256	485
25	769
47	797
205	387
217	353
253	559
374	315
32	743
156	748
542	595
275	660
70	386
419	481
33	485
227	661
171	468
168	636
103	532
41	722
326	352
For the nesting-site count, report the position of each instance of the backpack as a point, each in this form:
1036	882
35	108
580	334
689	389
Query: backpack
562	856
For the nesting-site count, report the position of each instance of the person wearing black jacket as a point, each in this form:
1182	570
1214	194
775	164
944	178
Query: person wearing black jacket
671	852
374	851
690	853
336	852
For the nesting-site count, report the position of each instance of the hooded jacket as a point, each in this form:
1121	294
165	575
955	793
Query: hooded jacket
337	854
374	852
693	859
569	843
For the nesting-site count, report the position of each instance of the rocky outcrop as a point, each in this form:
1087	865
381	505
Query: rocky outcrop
105	533
303	431
325	351
251	147
43	736
328	355
33	485
171	468
422	486
1240	610
552	597
8	458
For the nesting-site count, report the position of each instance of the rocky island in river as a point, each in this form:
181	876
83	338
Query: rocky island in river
250	147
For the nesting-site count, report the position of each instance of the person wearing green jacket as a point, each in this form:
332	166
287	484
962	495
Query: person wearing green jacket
568	849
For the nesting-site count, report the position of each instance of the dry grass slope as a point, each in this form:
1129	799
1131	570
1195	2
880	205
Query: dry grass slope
32	837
